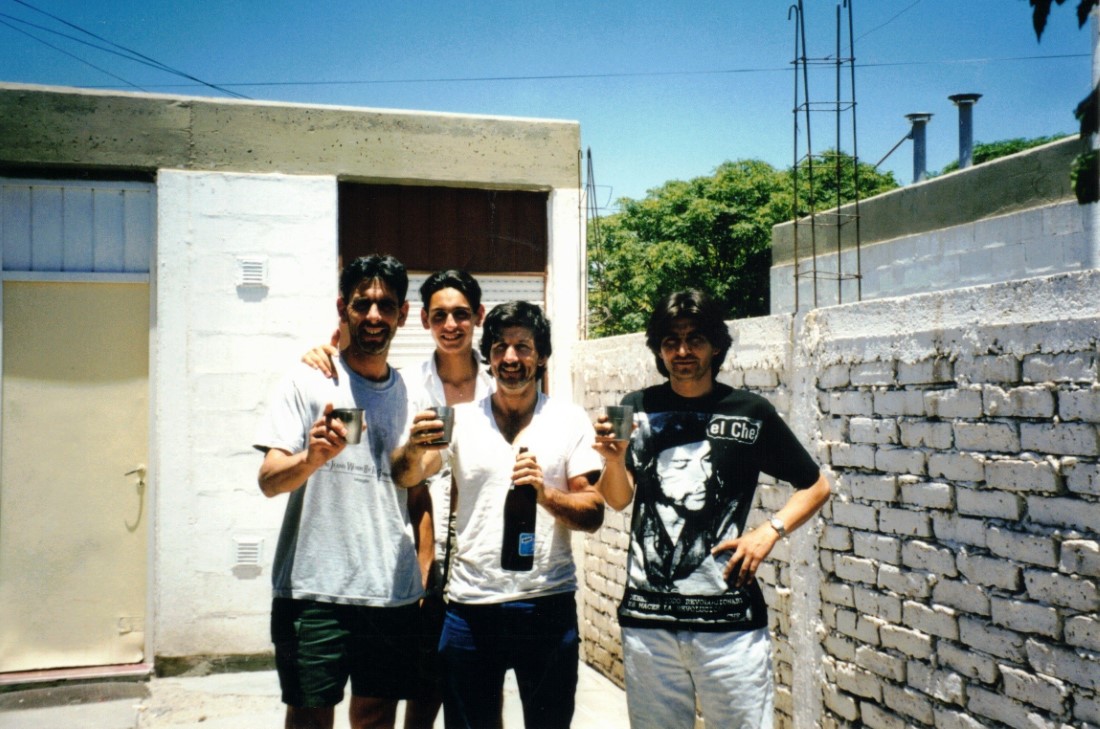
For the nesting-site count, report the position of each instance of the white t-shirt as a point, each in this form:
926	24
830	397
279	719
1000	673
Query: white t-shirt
346	535
426	393
560	436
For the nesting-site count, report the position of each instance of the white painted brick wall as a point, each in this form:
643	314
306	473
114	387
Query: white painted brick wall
928	495
1080	557
968	663
1018	402
933	619
1026	617
1070	439
1036	690
986	502
960	554
944	686
1026	476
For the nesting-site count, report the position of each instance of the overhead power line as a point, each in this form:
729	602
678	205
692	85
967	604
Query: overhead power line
70	55
126	52
627	74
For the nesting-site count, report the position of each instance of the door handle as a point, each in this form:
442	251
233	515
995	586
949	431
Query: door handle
140	471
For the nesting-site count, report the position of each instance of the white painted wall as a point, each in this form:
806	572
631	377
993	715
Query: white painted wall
1057	238
218	350
564	286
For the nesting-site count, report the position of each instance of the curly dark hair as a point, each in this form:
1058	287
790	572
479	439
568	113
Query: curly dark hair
708	316
516	314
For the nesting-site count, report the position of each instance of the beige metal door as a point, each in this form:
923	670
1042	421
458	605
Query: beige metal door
73	524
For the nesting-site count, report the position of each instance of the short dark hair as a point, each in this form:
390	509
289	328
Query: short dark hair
387	269
452	278
707	314
516	314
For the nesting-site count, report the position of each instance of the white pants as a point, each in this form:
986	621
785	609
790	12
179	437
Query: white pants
730	673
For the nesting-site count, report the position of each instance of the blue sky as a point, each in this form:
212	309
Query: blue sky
662	89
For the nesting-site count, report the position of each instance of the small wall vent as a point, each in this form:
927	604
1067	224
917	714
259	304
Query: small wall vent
248	550
252	271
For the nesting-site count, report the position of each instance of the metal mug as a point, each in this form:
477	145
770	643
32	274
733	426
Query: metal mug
621	418
447	415
352	418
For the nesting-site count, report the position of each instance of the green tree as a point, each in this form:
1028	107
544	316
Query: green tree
834	180
710	232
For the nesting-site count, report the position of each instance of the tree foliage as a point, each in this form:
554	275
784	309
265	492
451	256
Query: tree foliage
1085	174
989	151
712	233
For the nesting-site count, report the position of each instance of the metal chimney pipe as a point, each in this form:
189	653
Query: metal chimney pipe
918	120
966	102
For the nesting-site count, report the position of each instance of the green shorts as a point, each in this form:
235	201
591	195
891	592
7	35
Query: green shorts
320	645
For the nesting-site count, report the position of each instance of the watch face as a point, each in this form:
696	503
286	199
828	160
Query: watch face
779	526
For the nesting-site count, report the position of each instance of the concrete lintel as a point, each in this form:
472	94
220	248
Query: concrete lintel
51	128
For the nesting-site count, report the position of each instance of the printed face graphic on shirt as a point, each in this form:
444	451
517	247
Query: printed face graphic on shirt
684	471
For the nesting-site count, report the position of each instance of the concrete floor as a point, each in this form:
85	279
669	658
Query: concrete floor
246	701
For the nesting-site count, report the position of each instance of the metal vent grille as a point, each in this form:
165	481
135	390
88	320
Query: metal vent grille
249	551
251	272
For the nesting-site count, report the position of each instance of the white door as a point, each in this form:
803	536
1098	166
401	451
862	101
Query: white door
74	421
72	510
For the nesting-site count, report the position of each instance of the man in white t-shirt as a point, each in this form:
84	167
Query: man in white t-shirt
499	619
346	578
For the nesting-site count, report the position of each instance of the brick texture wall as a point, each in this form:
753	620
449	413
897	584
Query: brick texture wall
954	578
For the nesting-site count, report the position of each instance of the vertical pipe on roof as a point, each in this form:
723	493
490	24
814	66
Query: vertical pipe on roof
966	102
919	121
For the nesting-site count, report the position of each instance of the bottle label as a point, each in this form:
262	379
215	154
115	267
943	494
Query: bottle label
526	544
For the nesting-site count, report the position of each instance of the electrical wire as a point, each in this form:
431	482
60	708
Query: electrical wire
635	74
70	55
132	54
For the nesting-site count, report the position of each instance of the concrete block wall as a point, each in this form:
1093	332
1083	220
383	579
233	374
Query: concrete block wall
1040	241
218	352
1015	217
954	578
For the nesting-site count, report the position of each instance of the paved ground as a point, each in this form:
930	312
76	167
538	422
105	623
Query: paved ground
241	701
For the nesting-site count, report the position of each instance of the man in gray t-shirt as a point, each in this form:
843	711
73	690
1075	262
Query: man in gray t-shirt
346	577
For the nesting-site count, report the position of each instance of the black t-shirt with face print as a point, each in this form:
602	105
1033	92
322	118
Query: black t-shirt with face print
696	464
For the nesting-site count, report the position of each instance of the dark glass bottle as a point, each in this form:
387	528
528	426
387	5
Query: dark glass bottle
517	553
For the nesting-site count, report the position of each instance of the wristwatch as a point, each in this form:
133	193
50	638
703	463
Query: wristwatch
779	526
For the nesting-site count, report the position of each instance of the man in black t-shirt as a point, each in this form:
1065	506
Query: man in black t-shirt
693	618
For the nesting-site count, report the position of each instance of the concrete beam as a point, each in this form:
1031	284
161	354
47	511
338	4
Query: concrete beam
49	127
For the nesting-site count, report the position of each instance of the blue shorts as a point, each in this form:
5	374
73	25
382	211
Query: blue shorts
537	638
320	645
